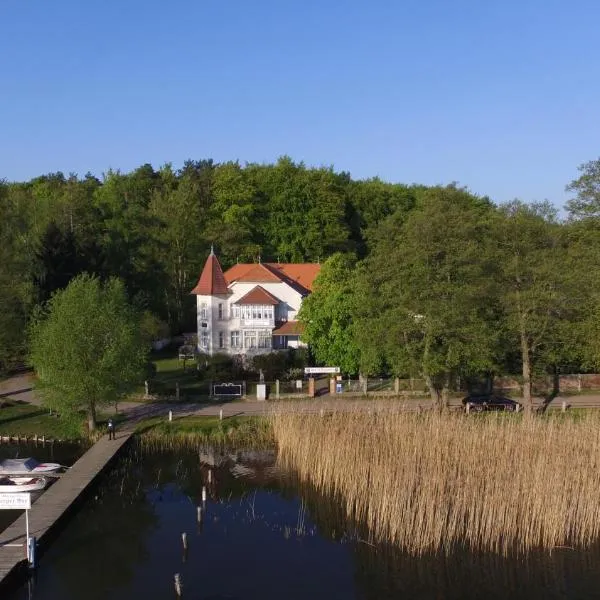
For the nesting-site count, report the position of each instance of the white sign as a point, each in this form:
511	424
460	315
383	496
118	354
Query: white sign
15	501
315	370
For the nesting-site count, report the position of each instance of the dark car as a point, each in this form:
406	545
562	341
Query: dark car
479	403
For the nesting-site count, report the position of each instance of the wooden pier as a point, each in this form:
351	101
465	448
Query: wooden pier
53	505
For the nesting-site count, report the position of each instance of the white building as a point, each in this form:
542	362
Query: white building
251	308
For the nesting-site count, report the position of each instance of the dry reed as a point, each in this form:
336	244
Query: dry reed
430	483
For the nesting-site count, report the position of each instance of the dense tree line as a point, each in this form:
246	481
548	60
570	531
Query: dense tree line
153	229
417	281
455	286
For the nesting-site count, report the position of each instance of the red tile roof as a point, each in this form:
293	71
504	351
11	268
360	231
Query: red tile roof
253	272
258	295
299	275
289	328
212	281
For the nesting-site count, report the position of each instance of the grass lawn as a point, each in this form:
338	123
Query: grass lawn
170	371
193	430
25	420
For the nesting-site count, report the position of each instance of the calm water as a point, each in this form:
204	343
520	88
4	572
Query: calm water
261	537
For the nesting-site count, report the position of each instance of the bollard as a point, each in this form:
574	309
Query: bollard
146	390
221	415
210	476
564	406
322	413
468	407
199	514
203	494
184	540
178	585
170	416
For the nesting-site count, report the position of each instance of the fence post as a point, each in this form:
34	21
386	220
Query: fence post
277	389
397	385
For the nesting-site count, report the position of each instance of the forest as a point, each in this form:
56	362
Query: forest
415	277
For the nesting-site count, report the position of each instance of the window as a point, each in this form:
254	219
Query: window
264	339
220	311
204	339
203	311
269	313
235	339
236	311
249	339
221	338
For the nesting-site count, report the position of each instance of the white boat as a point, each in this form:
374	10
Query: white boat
22	484
28	466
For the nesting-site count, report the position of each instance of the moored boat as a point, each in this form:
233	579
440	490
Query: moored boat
21	484
28	466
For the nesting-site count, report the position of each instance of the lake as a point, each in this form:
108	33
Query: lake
261	535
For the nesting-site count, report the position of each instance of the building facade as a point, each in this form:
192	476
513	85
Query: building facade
252	308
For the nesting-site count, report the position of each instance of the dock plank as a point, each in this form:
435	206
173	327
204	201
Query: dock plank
52	505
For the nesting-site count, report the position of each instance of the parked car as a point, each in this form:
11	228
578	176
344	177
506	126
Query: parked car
479	403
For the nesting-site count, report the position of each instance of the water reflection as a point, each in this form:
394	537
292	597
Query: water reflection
259	534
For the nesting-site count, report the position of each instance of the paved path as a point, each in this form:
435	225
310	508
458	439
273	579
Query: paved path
20	387
52	506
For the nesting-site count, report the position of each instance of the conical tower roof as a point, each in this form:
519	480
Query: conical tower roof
212	281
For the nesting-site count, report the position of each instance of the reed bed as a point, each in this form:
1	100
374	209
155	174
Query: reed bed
430	482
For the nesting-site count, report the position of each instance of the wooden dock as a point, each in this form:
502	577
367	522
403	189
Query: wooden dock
53	505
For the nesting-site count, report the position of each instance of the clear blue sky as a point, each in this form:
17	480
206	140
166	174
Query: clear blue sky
501	96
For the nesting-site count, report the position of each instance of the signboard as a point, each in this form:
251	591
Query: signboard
317	370
15	501
227	389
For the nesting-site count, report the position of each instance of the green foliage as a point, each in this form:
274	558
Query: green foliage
86	347
327	315
426	293
281	364
587	189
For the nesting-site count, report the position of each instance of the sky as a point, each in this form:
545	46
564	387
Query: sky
499	96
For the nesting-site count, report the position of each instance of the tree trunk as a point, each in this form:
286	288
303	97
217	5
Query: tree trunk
526	370
435	392
92	417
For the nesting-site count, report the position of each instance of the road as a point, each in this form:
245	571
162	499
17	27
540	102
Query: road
20	387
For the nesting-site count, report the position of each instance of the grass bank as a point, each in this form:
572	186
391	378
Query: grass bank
191	432
22	420
429	483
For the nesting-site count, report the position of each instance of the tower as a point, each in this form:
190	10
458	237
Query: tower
211	293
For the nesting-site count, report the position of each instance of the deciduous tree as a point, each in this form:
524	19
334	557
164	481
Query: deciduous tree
86	347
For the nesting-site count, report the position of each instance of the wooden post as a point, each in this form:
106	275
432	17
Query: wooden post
579	382
332	386
277	389
396	385
564	406
311	387
203	494
178	585
468	407
221	414
170	416
184	545
146	390
210	476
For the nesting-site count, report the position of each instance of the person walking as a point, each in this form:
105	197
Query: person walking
111	430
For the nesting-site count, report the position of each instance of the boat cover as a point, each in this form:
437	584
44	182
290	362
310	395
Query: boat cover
12	465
